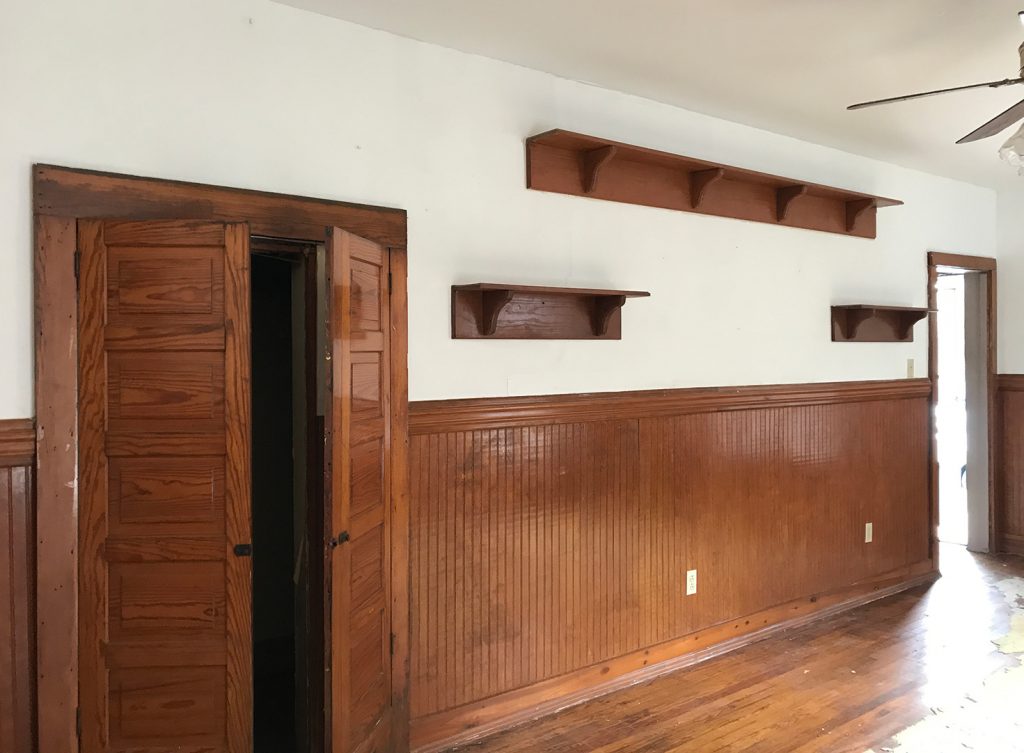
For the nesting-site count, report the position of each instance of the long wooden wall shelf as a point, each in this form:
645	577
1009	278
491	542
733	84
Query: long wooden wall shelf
579	165
524	312
865	323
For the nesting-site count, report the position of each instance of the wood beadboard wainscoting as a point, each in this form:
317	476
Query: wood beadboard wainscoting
1010	465
551	535
17	458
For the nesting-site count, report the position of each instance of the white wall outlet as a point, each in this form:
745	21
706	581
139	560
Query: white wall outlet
910	368
691	582
869	532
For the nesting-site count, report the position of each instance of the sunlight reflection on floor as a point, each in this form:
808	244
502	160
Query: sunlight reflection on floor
988	719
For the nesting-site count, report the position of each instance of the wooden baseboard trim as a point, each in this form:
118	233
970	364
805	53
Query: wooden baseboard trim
1010	543
17	442
441	731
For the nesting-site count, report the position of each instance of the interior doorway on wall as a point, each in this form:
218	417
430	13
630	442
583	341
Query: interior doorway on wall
962	366
951	408
287	498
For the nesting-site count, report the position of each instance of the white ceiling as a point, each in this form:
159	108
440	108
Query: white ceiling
788	66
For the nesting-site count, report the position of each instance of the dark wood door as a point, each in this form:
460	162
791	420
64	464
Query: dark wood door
360	451
164	473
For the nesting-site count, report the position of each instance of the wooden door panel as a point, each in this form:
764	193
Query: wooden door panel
162	387
166	600
165	636
156	705
178	285
360	495
169	496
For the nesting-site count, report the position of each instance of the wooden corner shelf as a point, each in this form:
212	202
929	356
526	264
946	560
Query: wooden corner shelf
487	310
579	165
866	323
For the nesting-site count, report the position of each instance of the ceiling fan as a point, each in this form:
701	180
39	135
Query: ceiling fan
1000	122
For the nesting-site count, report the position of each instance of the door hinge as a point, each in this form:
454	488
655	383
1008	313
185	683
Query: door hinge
78	721
78	266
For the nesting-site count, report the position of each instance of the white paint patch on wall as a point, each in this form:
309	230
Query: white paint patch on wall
254	94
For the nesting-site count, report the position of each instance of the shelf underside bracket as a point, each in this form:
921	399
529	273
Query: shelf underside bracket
491	304
784	197
854	209
700	181
604	307
852	320
593	162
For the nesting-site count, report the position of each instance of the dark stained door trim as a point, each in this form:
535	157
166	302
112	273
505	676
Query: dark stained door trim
987	266
62	196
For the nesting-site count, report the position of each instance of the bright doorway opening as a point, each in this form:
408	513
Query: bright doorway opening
962	367
951	409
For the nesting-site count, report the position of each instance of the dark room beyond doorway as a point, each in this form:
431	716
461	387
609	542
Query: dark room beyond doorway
287	510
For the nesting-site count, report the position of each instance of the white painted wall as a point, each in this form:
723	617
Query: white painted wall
1010	296
255	94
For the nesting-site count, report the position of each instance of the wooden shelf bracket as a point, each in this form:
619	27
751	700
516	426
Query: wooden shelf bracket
483	310
854	209
491	304
593	161
786	196
604	307
700	181
850	321
576	164
890	323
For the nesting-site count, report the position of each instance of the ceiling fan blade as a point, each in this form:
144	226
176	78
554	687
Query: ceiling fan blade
1000	122
905	97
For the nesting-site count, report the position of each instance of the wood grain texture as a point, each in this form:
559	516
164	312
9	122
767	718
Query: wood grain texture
67	192
17	618
1010	464
238	487
554	548
865	323
400	499
56	396
361	485
60	196
165	647
530	312
580	165
439	416
17	442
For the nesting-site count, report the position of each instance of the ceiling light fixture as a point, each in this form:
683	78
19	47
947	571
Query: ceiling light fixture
1012	151
1020	15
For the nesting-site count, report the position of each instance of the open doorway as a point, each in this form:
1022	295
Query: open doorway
962	367
287	497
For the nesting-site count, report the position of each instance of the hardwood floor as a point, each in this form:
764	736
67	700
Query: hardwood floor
844	685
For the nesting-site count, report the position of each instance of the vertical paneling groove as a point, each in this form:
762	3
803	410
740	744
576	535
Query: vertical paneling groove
543	549
17	585
1010	465
16	645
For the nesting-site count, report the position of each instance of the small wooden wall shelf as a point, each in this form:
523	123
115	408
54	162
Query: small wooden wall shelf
571	163
864	323
494	311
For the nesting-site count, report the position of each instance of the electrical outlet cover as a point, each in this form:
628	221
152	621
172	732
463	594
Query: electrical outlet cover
691	582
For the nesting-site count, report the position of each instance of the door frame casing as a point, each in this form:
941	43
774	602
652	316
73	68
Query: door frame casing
987	266
61	197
